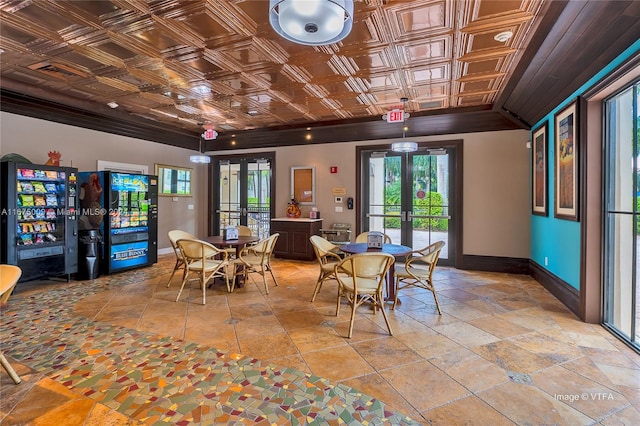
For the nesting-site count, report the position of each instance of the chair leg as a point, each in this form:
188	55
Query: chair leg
380	302
175	268
354	306
264	280
396	283
318	287
272	276
12	373
435	296
203	282
226	277
184	280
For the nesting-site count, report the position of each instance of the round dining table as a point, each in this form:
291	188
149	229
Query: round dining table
239	244
396	250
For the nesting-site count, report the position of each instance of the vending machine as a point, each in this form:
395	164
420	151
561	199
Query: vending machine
124	208
38	221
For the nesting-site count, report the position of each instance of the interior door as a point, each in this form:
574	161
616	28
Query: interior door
409	197
242	190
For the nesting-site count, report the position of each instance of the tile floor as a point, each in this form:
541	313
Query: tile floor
119	350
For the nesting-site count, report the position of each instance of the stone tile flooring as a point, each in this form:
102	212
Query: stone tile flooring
119	350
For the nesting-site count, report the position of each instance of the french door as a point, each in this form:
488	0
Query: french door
241	190
411	197
622	215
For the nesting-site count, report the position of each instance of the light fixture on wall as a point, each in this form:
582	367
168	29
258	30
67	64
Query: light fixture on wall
200	158
312	22
225	180
404	145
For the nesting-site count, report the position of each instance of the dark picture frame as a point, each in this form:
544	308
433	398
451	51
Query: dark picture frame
566	162
539	181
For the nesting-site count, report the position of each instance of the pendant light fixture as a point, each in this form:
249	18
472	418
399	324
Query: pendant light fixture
312	22
404	145
200	158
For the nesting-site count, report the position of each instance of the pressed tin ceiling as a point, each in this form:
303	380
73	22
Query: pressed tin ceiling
177	65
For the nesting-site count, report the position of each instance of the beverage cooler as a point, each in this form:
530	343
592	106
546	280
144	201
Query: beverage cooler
38	225
123	207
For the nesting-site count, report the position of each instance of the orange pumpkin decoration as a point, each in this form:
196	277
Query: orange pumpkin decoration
293	210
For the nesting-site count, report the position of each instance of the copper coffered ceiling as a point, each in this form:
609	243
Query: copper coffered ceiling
176	65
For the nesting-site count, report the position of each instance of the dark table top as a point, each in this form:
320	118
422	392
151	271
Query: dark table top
217	240
393	249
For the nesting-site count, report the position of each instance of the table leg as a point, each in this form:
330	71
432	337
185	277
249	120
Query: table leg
238	269
391	287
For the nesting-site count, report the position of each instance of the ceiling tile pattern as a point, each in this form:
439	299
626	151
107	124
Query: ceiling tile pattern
186	63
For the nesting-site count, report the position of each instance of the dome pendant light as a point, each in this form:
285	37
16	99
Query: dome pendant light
200	158
312	22
404	145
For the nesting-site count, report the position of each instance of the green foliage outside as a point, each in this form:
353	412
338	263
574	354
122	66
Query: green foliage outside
430	205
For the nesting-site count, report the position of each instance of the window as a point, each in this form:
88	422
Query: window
173	181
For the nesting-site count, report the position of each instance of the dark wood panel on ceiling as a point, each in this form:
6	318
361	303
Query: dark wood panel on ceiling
460	120
585	38
116	123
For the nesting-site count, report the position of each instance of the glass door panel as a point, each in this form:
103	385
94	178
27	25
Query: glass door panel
229	207
622	216
407	196
243	191
258	209
429	214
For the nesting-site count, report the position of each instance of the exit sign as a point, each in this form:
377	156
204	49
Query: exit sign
395	116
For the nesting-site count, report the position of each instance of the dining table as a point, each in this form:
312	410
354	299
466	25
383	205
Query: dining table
396	250
239	243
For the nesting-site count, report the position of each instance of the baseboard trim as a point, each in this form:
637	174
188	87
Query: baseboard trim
509	265
556	286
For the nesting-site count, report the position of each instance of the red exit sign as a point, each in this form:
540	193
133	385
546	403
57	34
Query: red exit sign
395	116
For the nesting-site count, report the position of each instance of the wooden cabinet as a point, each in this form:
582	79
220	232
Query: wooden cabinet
293	242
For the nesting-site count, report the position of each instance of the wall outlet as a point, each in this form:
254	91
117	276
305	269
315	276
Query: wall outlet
339	209
190	206
546	261
174	199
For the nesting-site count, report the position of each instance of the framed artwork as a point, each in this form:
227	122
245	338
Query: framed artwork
566	163
303	185
539	168
173	181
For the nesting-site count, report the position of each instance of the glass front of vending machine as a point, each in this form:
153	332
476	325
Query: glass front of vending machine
131	241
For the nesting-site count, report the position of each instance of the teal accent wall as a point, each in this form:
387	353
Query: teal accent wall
556	239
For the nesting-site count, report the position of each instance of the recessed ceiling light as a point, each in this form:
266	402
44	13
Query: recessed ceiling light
503	36
113	104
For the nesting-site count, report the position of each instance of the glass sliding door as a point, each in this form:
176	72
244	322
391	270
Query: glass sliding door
408	196
242	193
622	215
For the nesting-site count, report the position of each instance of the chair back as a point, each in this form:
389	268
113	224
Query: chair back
362	238
244	231
9	276
194	249
175	235
369	265
321	246
430	254
265	246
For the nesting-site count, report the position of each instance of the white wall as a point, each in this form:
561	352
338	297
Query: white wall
496	177
81	148
496	216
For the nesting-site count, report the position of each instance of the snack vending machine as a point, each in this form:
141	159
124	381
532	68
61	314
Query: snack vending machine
38	222
124	208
